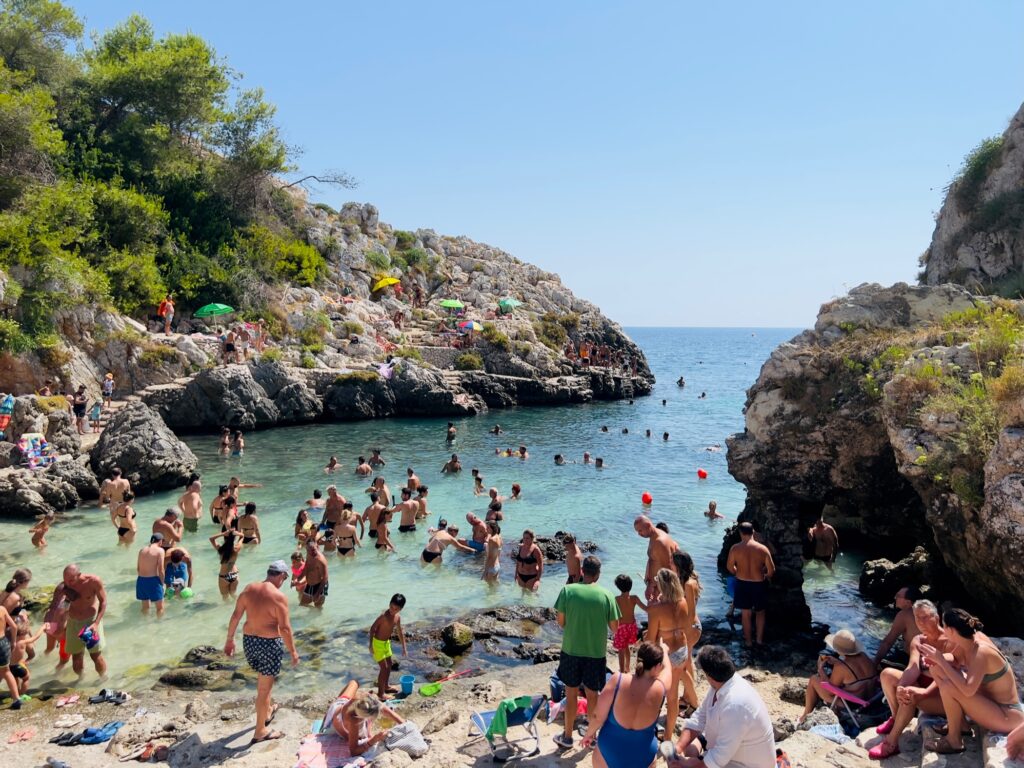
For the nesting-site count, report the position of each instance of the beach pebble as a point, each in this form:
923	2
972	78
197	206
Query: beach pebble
820	716
393	759
198	710
783	728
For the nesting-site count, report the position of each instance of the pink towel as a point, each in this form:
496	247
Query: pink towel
326	750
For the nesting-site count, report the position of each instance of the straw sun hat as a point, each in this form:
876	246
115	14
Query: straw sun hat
844	643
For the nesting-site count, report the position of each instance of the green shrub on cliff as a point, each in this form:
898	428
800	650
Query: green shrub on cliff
12	338
977	166
409	353
469	361
355	378
495	337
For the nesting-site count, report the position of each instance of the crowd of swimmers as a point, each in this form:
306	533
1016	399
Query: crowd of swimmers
951	667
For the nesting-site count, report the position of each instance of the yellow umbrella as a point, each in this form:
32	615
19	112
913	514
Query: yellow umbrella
384	282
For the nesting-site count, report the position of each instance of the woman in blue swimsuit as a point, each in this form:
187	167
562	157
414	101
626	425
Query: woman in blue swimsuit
627	712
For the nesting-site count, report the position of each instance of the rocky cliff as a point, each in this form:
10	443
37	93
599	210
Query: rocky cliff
898	416
979	232
324	361
342	325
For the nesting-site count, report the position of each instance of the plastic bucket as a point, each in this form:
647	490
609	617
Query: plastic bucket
407	682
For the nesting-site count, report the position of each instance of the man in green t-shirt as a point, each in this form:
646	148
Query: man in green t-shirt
585	612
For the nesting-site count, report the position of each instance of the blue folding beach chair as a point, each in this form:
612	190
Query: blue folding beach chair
518	713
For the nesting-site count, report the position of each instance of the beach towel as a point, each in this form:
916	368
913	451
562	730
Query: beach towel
327	750
499	723
832	732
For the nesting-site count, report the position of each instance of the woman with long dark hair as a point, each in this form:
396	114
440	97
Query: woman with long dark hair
227	550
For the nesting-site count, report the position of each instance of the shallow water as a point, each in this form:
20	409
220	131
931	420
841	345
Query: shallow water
595	504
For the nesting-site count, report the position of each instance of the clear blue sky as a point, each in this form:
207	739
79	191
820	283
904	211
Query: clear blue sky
676	163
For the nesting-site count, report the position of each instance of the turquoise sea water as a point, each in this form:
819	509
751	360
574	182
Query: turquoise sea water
595	504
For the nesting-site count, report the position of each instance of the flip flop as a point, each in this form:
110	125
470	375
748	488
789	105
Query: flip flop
61	738
15	737
119	697
271	736
100	735
136	753
73	699
28	734
62	702
273	712
160	753
943	747
99	698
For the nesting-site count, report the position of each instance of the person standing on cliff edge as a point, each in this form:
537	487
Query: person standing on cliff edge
751	563
265	635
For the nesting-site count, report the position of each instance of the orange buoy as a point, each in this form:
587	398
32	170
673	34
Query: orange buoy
646	498
702	473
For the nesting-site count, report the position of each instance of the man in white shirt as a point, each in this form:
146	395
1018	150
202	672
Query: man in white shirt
732	719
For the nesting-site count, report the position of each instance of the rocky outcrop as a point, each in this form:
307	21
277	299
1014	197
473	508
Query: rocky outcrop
835	424
76	473
148	453
25	494
227	396
979	233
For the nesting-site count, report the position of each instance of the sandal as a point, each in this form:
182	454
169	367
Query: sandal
943	747
882	750
273	712
271	736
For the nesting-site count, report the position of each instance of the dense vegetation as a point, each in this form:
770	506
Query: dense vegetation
133	167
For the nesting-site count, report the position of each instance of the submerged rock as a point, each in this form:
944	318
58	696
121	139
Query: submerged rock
150	456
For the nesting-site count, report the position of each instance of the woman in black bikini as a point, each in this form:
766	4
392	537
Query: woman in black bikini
249	525
217	505
439	539
529	562
345	534
228	551
123	517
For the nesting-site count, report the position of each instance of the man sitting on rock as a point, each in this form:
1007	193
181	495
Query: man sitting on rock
903	626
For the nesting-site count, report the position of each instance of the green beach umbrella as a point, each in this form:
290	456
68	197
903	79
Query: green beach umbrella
452	304
508	303
212	310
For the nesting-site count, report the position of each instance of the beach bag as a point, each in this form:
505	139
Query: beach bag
407	738
557	688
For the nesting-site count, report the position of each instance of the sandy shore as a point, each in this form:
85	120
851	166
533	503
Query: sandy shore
206	728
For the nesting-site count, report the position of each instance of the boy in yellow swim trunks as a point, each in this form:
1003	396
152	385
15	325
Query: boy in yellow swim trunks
380	644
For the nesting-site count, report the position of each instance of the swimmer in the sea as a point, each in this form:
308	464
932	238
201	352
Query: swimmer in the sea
712	511
332	465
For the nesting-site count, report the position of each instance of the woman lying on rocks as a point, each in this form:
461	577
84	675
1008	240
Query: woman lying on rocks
352	715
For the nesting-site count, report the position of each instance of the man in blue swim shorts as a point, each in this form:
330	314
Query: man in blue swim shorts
478	538
751	563
149	585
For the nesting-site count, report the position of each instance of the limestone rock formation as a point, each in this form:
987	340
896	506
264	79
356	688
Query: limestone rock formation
143	446
24	494
837	423
979	236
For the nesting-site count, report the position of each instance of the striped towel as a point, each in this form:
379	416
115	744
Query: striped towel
327	750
